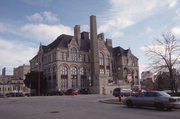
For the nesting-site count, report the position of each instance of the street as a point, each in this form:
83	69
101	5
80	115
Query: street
76	107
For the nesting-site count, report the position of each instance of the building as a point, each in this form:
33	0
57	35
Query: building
5	83
19	76
15	82
162	81
147	80
81	61
21	71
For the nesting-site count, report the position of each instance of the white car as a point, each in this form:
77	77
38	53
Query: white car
158	99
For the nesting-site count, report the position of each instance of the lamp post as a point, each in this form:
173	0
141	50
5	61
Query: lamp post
39	89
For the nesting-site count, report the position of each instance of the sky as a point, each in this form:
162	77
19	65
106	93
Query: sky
134	24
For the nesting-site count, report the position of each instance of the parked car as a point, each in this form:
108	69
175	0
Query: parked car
3	96
15	94
122	92
158	99
72	92
117	92
55	92
84	91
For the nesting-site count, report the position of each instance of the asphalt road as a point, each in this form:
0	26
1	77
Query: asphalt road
76	107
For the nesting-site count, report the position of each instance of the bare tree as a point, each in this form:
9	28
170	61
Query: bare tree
164	55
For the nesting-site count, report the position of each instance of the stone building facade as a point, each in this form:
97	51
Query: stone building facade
86	61
20	75
15	82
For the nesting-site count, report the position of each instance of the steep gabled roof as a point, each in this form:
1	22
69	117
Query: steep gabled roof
61	41
119	51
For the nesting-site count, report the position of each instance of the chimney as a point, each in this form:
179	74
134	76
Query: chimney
101	36
77	34
85	35
94	53
109	42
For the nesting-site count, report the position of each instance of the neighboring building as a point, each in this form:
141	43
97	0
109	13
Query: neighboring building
82	62
19	76
15	82
162	81
5	83
147	80
21	71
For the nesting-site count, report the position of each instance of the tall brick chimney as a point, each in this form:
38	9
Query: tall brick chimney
77	34
94	53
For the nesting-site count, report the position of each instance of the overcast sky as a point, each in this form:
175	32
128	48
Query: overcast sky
129	23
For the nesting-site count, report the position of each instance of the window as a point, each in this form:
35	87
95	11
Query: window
54	56
82	57
82	71
74	70
74	54
85	83
107	72
64	70
74	77
101	63
64	77
49	58
107	61
101	59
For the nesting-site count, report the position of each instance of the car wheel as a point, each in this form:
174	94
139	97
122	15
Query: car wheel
169	108
159	106
129	103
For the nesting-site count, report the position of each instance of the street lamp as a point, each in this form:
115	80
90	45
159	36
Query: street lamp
39	89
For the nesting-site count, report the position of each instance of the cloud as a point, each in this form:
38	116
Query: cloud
44	32
178	14
50	17
14	54
172	3
85	28
43	17
125	13
35	17
7	28
176	31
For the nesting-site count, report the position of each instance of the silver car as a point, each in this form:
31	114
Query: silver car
158	99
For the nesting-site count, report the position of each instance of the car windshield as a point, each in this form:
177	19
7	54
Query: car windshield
164	94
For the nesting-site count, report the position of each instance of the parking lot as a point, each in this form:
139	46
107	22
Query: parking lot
76	107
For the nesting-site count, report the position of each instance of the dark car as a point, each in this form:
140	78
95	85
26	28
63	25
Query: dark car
15	94
72	92
3	96
117	92
55	92
84	91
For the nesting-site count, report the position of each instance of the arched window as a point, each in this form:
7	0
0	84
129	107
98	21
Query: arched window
64	77
101	59
108	66
74	54
82	71
101	64
85	83
74	77
64	70
73	70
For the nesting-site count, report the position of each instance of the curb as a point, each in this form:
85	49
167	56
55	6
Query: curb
110	101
